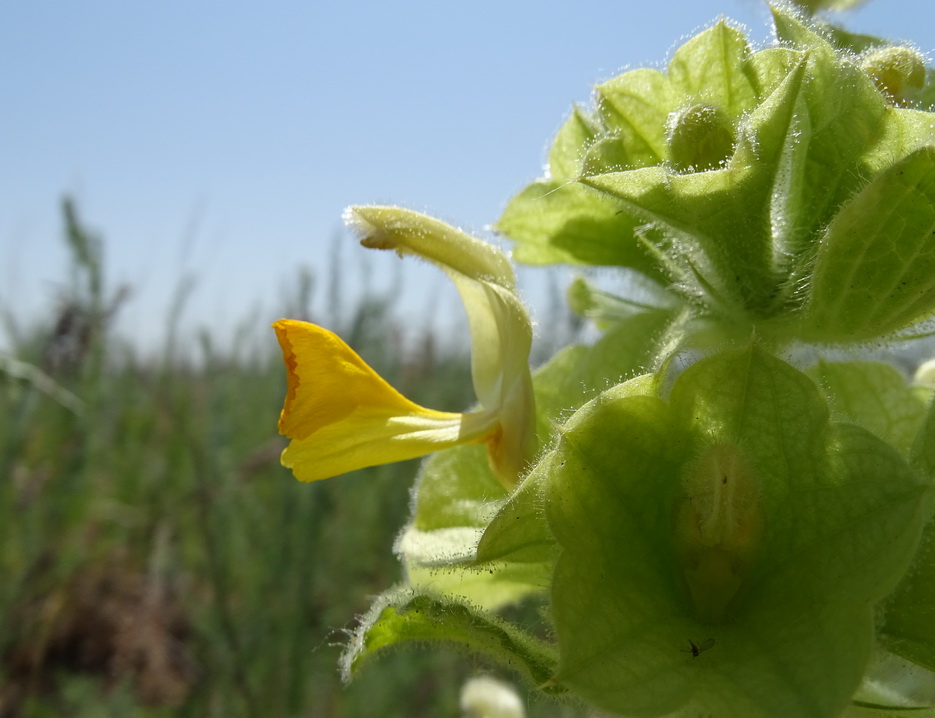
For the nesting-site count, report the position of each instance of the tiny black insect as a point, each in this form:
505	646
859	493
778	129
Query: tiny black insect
696	649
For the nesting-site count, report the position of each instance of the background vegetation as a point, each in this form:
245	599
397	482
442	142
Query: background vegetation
155	558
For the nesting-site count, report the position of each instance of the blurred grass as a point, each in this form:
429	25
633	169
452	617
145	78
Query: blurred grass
156	560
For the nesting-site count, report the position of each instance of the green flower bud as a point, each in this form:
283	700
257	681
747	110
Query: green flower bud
699	138
899	72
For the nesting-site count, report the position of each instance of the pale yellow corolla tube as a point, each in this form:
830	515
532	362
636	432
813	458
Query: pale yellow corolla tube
340	415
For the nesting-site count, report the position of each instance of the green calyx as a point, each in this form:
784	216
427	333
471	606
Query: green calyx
739	178
730	545
734	515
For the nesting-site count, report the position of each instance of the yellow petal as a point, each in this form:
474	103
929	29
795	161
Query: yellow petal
341	415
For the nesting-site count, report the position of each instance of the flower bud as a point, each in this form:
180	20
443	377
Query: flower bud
699	138
898	72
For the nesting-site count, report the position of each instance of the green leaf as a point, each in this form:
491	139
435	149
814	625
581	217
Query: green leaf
556	220
848	133
843	39
904	132
559	221
443	561
493	567
875	396
841	123
768	69
517	550
634	107
608	154
813	6
553	221
875	269
514	557
455	489
712	68
923	451
579	373
722	216
401	617
908	624
828	518
457	495
728	174
569	146
607	310
925	100
519	533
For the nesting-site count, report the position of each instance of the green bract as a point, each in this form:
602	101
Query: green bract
458	496
762	188
813	522
716	522
817	5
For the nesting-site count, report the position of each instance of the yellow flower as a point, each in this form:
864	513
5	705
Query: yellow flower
341	415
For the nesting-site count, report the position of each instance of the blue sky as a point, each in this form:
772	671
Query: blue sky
222	140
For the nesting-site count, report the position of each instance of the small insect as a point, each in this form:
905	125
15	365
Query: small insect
696	649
